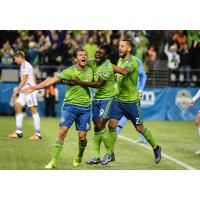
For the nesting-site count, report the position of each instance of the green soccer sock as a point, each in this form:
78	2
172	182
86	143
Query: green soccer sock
57	148
148	136
97	143
113	138
81	148
106	140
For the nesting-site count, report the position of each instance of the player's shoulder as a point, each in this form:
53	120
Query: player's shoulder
27	65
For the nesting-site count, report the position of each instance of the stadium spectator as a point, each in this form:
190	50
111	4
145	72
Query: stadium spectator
173	61
151	56
7	54
184	68
67	48
140	51
90	47
33	54
50	100
180	38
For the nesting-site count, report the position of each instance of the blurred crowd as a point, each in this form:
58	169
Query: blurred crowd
180	48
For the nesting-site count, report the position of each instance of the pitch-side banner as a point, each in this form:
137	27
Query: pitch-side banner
157	104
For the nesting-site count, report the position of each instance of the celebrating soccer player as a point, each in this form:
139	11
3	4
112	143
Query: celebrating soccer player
127	98
142	77
27	78
103	104
76	107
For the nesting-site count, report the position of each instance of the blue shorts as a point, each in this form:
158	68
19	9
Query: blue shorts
79	115
131	111
103	109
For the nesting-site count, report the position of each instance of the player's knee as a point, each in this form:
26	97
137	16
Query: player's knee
112	124
82	137
62	133
139	128
18	109
98	127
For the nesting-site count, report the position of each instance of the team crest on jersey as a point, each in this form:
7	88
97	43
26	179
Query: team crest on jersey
182	99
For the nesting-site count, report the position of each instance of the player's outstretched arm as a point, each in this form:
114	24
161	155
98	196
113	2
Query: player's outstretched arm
119	70
194	99
43	84
95	84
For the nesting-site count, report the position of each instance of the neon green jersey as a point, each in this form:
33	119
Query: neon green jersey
127	84
77	95
106	72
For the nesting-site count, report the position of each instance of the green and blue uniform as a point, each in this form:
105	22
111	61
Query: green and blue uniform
127	98
77	100
103	100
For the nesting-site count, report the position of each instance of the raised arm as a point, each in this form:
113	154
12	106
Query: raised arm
43	84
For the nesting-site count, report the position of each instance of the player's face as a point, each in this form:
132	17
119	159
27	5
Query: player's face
124	49
81	58
18	60
100	55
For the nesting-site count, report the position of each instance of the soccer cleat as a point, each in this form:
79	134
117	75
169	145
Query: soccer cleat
113	156
77	161
157	154
197	152
15	135
35	137
51	165
94	161
106	159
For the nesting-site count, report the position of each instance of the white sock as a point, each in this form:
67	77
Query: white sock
19	121
198	128
36	120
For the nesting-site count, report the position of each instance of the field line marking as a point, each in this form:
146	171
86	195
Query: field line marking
185	165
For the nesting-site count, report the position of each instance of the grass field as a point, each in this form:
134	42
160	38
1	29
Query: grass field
179	141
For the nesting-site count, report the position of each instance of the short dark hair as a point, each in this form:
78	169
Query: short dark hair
20	54
106	48
76	51
129	42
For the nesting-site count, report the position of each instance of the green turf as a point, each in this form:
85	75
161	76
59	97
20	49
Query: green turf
178	140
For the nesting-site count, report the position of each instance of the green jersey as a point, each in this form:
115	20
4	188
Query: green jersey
127	84
106	72
77	95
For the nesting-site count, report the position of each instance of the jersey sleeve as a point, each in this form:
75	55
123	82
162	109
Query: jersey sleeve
25	70
64	75
132	64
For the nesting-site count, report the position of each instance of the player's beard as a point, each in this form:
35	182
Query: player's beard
122	54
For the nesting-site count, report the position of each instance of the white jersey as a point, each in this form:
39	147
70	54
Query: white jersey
197	96
27	69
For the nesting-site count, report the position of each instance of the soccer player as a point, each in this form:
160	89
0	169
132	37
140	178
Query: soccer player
127	98
197	121
76	106
142	77
30	100
103	104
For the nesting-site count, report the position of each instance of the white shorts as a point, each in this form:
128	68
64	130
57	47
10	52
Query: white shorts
28	99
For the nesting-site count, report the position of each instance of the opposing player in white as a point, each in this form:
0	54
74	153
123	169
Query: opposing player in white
197	121
30	100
